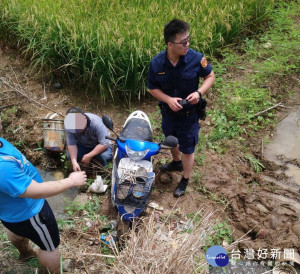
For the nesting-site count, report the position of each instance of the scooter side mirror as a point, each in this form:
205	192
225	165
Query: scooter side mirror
108	122
169	142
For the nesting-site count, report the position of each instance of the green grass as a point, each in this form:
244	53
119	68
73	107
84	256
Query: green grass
242	86
107	45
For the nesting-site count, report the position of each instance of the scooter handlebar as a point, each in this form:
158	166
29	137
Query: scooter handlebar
110	138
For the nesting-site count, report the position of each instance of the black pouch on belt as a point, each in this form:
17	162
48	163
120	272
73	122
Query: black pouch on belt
201	108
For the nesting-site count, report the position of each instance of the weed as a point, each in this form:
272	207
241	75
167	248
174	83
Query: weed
200	159
89	181
90	209
197	178
73	207
3	236
65	161
255	163
19	144
40	147
221	232
200	150
155	120
33	263
195	217
221	199
249	44
252	185
65	224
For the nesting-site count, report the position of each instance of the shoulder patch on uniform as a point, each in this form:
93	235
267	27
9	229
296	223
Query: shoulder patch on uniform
161	73
203	62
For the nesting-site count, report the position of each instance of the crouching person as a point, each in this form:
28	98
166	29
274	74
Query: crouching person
85	136
23	208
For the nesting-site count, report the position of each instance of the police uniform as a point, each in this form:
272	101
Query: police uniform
179	81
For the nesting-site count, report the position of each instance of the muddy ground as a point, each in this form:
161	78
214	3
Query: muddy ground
247	200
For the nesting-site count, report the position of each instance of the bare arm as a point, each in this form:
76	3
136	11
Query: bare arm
207	83
73	150
97	150
47	189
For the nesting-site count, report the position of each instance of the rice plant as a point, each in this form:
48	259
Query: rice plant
107	45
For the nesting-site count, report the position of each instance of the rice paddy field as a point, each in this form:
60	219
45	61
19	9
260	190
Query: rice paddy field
106	46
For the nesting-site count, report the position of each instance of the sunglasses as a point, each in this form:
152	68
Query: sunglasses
184	43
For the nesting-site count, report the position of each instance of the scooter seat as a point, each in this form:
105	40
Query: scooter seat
137	129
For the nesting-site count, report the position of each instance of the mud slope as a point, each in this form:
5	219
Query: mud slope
266	204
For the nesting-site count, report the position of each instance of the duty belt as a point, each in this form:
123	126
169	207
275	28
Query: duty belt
180	113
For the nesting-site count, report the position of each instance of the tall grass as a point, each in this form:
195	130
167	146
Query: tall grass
108	44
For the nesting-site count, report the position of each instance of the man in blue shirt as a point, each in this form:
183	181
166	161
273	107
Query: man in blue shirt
23	209
173	76
85	136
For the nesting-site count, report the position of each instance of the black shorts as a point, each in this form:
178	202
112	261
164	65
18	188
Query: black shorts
41	229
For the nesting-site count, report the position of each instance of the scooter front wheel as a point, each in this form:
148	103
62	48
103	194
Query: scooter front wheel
123	231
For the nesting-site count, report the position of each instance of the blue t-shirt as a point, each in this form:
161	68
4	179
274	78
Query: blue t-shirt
181	80
16	174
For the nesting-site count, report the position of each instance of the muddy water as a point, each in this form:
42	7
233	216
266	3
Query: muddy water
279	205
287	142
285	152
58	202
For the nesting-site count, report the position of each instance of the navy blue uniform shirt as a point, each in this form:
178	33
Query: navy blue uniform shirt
181	80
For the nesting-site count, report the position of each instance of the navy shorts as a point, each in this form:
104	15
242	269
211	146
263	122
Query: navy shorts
41	229
186	129
103	158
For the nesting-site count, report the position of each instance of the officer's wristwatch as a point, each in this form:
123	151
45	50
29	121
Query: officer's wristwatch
199	94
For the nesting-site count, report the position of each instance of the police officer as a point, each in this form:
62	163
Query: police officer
174	76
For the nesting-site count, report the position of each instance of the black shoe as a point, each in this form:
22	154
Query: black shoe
180	189
173	166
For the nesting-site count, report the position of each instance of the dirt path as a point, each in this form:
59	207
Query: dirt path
266	204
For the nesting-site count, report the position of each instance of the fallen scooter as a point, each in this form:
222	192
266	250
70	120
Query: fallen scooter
132	173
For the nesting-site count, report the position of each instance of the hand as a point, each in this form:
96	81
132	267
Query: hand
173	104
76	166
86	159
78	178
193	98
